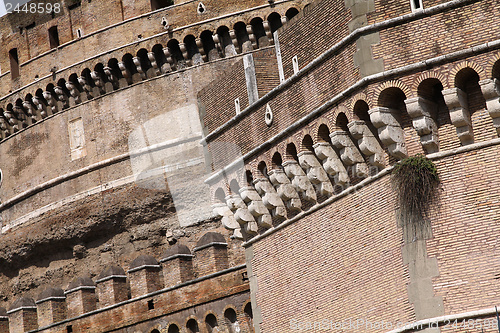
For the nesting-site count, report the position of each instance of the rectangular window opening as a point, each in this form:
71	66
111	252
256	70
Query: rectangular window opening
237	105
69	329
158	4
416	5
53	37
151	304
295	62
79	33
14	63
75	5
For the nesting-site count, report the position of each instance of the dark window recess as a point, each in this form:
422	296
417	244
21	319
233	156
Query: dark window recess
75	5
157	4
14	63
416	4
151	304
69	329
53	37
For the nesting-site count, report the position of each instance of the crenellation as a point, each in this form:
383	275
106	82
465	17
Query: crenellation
51	306
80	296
22	315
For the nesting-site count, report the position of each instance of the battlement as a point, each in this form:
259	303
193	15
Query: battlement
169	289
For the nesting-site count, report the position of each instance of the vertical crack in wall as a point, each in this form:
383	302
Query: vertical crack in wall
363	58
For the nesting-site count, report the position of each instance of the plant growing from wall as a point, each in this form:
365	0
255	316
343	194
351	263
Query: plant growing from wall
416	182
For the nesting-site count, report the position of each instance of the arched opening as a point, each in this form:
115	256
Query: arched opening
249	315
242	37
142	54
173	328
234	187
259	32
158	4
211	323
307	143
176	54
231	319
291	12
393	99
249	177
192	326
155	331
274	20
14	63
262	167
323	133
360	111
468	81
159	56
192	49
341	122
291	152
128	61
225	41
220	196
209	45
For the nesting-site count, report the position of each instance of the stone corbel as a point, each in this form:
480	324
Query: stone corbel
270	197
227	218
389	130
4	127
85	86
284	19
423	112
241	214
285	189
154	63
21	115
234	39
169	65
30	111
11	120
367	143
41	107
269	34
199	44
125	72
51	101
184	51
73	90
349	153
216	39
331	163
98	80
299	180
456	100
315	172
111	77
61	96
138	66
256	207
491	92
252	37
